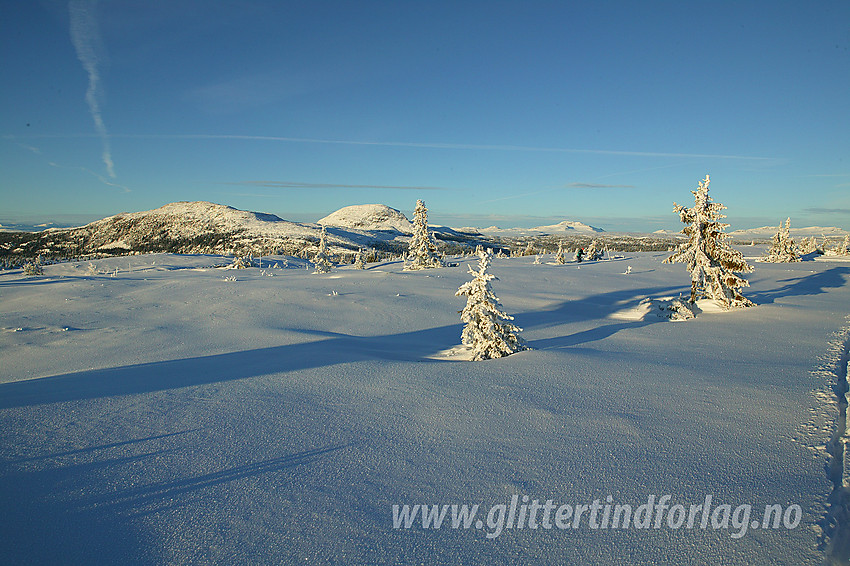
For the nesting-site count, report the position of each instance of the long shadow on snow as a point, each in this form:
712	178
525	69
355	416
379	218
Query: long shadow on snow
335	349
814	284
47	521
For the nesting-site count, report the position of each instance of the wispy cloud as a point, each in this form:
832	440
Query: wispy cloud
818	210
46	159
298	185
428	145
86	40
598	186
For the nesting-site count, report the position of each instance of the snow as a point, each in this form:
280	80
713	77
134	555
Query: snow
797	233
167	413
572	227
369	217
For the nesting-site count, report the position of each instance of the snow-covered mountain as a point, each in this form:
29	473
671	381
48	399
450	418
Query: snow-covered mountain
205	227
369	217
566	227
807	232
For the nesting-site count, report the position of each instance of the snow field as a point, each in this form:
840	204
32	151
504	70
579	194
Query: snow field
185	418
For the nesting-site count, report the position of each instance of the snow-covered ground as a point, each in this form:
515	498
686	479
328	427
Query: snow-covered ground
164	410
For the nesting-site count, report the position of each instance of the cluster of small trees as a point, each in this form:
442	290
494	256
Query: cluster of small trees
784	250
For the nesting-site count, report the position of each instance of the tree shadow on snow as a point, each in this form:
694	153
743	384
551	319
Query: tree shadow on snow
813	284
47	520
334	349
593	308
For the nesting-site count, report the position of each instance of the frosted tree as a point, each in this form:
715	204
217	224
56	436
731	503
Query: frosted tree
782	246
322	259
559	255
844	247
358	260
712	263
594	252
808	246
529	249
488	332
422	250
33	268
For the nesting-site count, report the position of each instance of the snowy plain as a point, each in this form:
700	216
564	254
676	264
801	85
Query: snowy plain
165	410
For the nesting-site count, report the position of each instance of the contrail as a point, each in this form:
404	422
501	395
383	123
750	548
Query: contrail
435	145
85	37
424	145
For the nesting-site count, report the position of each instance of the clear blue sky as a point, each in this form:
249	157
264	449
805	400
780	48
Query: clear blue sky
507	113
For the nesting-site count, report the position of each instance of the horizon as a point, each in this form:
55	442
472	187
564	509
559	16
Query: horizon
37	223
514	115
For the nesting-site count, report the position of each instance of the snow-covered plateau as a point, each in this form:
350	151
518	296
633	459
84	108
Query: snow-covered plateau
160	409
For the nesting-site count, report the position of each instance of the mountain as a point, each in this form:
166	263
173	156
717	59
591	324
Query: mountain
369	217
767	232
566	227
209	228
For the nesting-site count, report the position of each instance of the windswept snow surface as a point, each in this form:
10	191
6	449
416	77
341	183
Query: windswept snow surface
167	411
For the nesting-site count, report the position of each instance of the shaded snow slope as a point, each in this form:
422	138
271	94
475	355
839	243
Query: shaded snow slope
369	217
162	410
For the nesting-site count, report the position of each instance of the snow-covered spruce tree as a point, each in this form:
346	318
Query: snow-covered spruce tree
844	247
33	268
710	260
782	249
529	249
487	332
807	246
322	259
358	260
559	255
594	252
423	247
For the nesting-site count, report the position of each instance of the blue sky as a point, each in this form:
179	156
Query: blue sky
506	113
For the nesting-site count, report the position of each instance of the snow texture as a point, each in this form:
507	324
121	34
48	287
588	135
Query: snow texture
165	415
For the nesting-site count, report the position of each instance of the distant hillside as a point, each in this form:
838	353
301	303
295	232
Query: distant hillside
205	227
369	217
766	232
566	227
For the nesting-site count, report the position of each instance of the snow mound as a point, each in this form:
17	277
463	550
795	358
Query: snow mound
369	217
672	308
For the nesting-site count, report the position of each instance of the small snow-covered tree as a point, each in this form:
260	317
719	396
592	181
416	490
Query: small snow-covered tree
358	260
322	259
594	252
487	332
423	247
529	249
807	246
710	260
33	268
844	247
781	246
559	255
